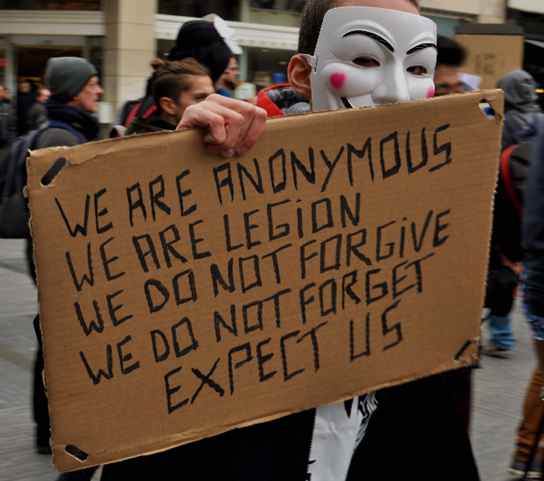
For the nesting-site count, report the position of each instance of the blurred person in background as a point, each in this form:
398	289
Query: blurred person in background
37	113
522	118
75	90
7	122
229	79
449	59
523	115
25	98
522	129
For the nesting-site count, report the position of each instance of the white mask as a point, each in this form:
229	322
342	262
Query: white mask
369	56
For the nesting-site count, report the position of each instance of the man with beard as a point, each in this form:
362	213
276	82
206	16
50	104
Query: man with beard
229	79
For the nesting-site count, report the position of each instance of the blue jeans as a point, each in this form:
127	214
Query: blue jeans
533	299
501	332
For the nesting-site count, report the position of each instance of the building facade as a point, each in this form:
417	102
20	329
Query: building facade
121	37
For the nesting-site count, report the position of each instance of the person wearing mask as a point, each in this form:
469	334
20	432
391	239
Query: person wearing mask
358	438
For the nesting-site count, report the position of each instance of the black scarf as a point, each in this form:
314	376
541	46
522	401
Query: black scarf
66	113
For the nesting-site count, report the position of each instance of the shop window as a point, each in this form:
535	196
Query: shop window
285	5
49	5
226	9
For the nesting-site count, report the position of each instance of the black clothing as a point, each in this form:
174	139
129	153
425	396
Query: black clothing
24	101
200	40
533	233
417	429
151	124
36	115
87	126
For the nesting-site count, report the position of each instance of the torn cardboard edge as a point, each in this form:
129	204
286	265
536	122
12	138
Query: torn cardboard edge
76	155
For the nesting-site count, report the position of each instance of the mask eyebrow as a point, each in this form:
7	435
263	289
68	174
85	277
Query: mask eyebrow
421	46
372	35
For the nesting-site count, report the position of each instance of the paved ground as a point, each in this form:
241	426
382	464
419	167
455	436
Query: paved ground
499	385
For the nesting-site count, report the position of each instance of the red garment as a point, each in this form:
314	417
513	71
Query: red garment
265	103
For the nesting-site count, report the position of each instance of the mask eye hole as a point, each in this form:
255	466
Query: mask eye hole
367	62
417	70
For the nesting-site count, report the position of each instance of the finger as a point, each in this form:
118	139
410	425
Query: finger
224	124
254	119
203	115
233	125
253	131
243	131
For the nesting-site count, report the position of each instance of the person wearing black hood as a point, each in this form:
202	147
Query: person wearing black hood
197	39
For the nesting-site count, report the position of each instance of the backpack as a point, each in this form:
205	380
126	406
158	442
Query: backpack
142	108
513	169
14	213
521	135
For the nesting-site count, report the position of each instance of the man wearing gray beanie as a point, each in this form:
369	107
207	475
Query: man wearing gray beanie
75	90
66	77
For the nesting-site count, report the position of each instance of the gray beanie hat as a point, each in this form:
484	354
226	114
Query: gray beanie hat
66	76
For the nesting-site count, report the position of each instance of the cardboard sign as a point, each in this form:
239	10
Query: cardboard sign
183	295
492	50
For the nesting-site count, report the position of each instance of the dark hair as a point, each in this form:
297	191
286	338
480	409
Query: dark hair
449	52
200	40
170	79
311	20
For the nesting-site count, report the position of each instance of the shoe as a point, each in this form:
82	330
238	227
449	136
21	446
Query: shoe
495	351
517	469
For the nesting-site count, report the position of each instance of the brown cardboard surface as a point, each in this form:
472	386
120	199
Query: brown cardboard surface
491	56
183	295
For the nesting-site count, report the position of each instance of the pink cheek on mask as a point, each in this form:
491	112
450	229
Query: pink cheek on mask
337	80
430	92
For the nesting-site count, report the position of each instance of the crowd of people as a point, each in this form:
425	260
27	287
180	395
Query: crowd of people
426	421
